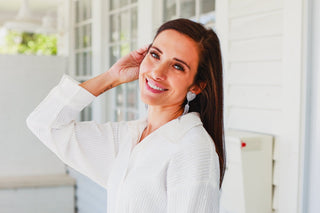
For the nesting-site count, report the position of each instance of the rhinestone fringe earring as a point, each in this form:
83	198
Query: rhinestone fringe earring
190	96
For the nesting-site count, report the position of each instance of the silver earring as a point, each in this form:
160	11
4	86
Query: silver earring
190	97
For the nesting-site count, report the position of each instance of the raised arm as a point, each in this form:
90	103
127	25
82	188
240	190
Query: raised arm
88	147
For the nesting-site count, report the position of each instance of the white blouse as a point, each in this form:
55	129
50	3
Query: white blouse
175	169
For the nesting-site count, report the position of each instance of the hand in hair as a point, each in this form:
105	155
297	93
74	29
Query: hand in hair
126	69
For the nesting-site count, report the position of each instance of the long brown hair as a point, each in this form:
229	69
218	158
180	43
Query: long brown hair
209	103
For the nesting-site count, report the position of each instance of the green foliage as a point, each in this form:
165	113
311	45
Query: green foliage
28	43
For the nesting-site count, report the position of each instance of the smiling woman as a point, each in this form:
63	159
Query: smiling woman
167	72
172	160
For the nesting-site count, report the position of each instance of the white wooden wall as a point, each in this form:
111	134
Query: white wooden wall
261	43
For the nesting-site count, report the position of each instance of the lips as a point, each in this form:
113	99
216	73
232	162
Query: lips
154	87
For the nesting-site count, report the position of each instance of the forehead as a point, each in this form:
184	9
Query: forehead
177	45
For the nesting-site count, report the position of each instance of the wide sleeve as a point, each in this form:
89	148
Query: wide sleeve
88	147
193	180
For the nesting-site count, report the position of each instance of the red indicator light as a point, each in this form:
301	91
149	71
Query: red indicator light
243	144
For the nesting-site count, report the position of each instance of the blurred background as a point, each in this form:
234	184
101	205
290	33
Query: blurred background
271	58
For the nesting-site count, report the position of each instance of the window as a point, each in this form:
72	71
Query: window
196	10
83	47
122	39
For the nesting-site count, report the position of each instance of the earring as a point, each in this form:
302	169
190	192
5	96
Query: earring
190	96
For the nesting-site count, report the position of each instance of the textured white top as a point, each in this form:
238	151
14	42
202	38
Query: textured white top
175	169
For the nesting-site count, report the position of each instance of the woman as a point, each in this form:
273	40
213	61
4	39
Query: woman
172	161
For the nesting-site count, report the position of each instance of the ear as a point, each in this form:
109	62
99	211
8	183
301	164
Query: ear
197	88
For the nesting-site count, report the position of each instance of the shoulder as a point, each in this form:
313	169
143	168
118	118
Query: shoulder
197	142
190	132
195	157
192	139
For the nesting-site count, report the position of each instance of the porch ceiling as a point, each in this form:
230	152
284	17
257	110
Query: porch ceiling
35	5
9	8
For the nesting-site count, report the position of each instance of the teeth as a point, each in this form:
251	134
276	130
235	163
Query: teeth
155	87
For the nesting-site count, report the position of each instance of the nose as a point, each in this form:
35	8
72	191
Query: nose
159	72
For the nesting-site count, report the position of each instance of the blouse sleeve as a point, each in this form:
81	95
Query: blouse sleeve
88	147
193	181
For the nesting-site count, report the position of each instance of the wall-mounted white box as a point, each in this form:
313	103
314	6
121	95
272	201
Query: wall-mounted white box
247	186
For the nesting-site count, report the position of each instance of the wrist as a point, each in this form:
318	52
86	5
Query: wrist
111	78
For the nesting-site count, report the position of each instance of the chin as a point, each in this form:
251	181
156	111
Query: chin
147	100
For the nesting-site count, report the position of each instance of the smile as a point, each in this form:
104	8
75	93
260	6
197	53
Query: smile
153	87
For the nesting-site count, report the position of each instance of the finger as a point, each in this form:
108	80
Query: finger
143	50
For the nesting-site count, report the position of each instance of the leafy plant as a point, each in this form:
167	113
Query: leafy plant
28	43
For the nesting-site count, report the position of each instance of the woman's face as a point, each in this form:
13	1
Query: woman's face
168	70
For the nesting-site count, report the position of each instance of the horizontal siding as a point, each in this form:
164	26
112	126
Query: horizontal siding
255	73
245	7
254	92
258	49
265	24
253	119
262	97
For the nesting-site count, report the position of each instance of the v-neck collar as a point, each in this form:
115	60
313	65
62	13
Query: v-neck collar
172	130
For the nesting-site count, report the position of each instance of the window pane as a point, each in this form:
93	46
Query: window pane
77	38
83	10
207	6
131	116
169	9
114	35
119	115
114	54
78	64
88	70
77	9
79	31
87	8
134	23
132	96
123	3
113	4
188	8
119	95
134	45
125	49
84	63
87	35
124	25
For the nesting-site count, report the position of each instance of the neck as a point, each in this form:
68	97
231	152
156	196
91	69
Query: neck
158	116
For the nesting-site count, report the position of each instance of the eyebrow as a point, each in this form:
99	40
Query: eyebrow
179	60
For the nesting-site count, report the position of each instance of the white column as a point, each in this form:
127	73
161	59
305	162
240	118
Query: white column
291	134
311	185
